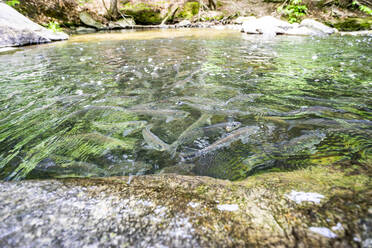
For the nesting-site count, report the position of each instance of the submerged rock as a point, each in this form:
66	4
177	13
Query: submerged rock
18	30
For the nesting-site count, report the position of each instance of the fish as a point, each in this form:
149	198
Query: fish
216	106
311	110
88	108
228	126
169	114
110	142
305	142
127	127
66	167
243	134
127	167
191	133
154	141
202	100
244	98
215	109
301	145
181	83
330	122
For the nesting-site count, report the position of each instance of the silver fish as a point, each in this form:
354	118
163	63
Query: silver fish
216	109
67	168
154	141
228	126
244	98
266	159
88	108
305	142
126	128
169	114
191	133
243	134
312	110
109	142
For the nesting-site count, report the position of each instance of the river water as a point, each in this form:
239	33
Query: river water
205	102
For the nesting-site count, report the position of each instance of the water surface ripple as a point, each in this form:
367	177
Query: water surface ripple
206	102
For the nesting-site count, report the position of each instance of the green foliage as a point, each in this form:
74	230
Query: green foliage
143	13
54	26
354	24
12	2
362	7
294	11
189	10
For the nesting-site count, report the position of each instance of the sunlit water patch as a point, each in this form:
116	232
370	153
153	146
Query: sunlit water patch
206	102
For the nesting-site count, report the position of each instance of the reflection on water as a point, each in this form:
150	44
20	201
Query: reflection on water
219	103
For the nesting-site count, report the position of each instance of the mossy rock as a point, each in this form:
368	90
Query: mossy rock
189	10
143	13
259	211
88	20
354	24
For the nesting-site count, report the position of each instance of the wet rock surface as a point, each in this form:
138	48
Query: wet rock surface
182	211
18	30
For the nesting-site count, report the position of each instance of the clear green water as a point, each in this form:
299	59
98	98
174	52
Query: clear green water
82	108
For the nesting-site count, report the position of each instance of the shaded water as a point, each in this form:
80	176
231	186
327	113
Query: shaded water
216	103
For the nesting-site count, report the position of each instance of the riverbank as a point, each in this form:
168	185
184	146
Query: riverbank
72	15
17	30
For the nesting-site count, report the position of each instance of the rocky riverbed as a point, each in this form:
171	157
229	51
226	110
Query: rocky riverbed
319	207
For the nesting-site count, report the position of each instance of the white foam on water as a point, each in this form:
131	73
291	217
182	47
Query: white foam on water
325	232
228	207
300	197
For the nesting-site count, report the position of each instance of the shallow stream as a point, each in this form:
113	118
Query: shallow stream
205	102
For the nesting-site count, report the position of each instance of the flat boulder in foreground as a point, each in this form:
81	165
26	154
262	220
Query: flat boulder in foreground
18	30
272	210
